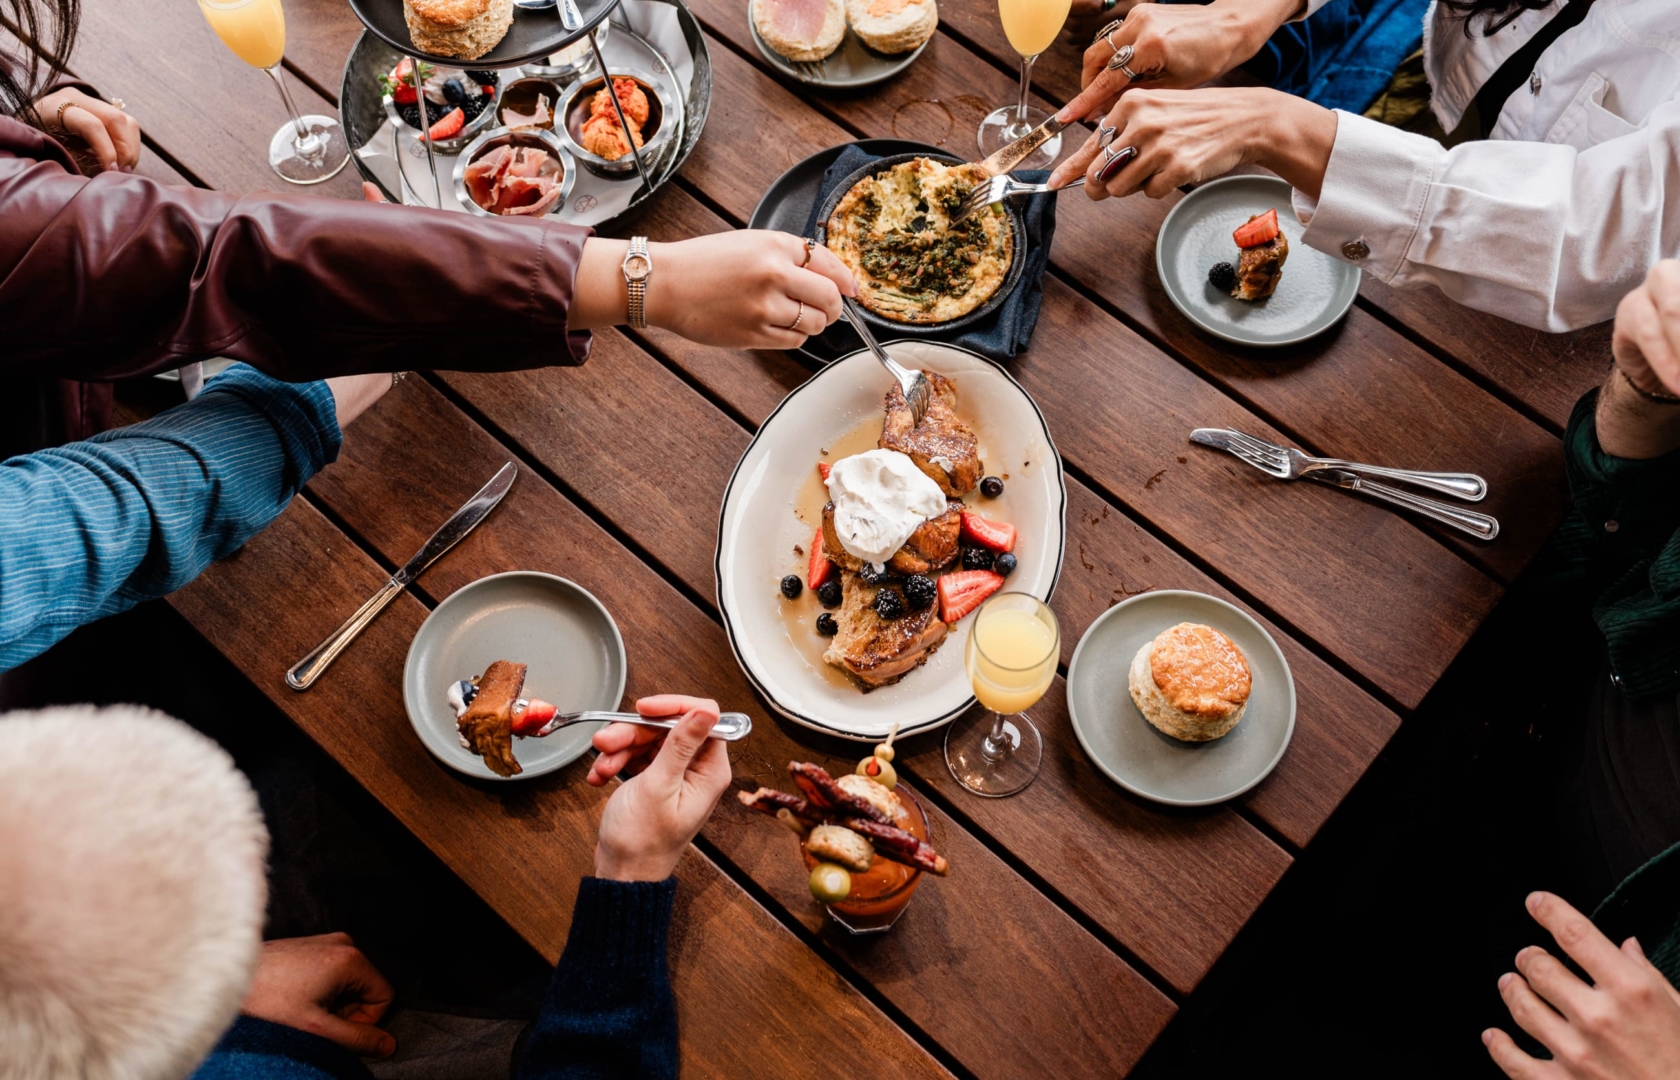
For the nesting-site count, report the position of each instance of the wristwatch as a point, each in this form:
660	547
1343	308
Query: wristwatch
638	267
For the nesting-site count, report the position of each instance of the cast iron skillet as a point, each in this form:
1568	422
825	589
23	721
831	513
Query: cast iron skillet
1017	262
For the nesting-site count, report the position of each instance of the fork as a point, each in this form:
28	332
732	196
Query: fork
810	70
917	391
730	726
999	188
1287	463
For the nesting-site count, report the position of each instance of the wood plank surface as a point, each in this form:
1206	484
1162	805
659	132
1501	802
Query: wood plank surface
949	965
523	847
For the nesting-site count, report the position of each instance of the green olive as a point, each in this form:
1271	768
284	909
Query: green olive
830	882
880	771
884	752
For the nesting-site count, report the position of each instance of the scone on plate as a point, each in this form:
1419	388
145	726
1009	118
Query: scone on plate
462	28
893	26
800	30
1191	682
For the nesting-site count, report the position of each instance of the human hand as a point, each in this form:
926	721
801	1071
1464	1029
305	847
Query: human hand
1646	341
676	777
743	289
325	986
1175	46
1086	17
1625	1026
112	135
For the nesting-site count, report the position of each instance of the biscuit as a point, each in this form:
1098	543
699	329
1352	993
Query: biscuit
466	29
1191	682
801	50
893	26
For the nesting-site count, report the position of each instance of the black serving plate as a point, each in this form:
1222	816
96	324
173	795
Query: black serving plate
533	35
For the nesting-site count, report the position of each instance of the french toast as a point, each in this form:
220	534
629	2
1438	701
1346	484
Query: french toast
875	651
933	546
1259	268
942	446
487	725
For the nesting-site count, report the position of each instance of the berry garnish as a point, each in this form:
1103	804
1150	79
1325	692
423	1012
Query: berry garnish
1005	563
1223	276
920	591
889	605
991	487
454	91
997	535
872	576
963	591
1257	230
450	126
792	586
829	593
977	558
823	469
826	626
819	568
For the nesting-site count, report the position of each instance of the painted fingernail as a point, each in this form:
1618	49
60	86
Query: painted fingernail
1505	980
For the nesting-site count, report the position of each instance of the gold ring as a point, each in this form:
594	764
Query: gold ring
810	249
797	319
58	118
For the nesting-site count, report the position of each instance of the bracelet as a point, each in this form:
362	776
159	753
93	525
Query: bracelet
397	377
1655	398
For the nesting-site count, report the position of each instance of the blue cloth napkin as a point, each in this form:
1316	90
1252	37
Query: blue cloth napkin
1003	333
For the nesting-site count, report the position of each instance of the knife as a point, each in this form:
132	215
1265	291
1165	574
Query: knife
304	673
1017	151
1481	526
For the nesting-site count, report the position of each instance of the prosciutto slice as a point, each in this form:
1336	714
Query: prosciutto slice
514	181
483	176
797	20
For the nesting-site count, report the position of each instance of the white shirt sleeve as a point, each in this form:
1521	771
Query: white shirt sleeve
1312	6
1539	233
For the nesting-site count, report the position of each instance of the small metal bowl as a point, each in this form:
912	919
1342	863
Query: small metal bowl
574	108
546	141
581	63
452	145
516	90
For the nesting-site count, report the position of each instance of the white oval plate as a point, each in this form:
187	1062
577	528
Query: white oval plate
1314	293
568	642
775	640
1141	759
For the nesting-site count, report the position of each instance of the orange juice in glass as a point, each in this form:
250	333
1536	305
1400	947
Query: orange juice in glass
1011	659
1031	27
311	148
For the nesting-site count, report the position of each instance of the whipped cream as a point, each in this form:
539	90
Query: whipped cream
880	498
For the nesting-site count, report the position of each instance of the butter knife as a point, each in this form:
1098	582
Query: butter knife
304	673
1481	526
1016	152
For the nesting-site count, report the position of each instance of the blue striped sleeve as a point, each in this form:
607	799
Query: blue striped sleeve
95	527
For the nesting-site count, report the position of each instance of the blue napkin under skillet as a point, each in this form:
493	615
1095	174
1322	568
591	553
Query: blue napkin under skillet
1006	331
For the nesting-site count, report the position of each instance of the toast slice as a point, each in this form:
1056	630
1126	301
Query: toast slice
941	445
487	725
1259	268
874	651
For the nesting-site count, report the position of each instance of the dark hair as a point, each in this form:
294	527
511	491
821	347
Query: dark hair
1495	14
48	25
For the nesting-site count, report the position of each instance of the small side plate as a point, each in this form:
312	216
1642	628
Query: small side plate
567	640
1314	293
850	67
1124	745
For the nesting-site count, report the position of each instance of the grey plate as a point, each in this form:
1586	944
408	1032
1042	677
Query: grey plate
849	67
1139	758
566	639
1315	292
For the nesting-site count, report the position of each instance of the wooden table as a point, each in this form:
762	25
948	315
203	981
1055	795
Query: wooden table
1076	919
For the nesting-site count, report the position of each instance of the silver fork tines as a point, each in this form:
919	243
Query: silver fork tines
997	189
1294	464
810	69
918	392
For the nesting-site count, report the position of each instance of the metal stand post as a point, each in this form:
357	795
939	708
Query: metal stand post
425	135
629	139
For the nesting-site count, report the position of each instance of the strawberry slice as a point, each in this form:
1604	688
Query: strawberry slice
997	535
1257	230
824	468
820	567
961	592
450	126
535	715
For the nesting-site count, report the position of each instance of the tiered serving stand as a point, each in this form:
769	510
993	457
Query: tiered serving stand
659	34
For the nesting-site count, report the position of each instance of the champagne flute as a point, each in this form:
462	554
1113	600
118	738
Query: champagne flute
1031	26
309	149
1011	660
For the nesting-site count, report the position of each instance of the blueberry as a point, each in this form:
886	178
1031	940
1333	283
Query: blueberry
829	594
454	91
1005	563
991	487
920	590
976	558
889	605
872	576
826	626
792	586
1222	276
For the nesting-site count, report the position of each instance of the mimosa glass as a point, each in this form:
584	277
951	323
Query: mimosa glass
1011	660
1031	26
309	149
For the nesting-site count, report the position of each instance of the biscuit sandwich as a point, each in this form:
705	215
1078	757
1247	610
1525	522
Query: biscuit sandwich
893	26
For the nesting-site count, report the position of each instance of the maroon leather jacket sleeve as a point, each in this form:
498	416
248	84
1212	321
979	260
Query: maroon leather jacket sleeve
117	275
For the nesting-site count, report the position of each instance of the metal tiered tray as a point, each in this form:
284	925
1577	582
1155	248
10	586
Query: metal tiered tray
534	34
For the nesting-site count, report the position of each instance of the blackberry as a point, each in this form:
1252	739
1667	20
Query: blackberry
991	487
826	626
872	576
977	558
829	593
1222	276
1005	563
792	586
889	605
920	591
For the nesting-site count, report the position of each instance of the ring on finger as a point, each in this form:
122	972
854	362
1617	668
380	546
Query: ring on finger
1122	56
1115	159
810	250
1103	34
797	319
1106	133
119	104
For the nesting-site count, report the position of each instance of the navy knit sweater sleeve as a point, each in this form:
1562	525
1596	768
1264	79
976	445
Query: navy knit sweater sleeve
610	1012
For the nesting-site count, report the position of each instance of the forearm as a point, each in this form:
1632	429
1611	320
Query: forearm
609	1011
1251	23
1635	427
1291	136
92	528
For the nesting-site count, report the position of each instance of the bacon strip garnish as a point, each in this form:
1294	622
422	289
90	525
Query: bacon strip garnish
823	792
769	800
899	845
